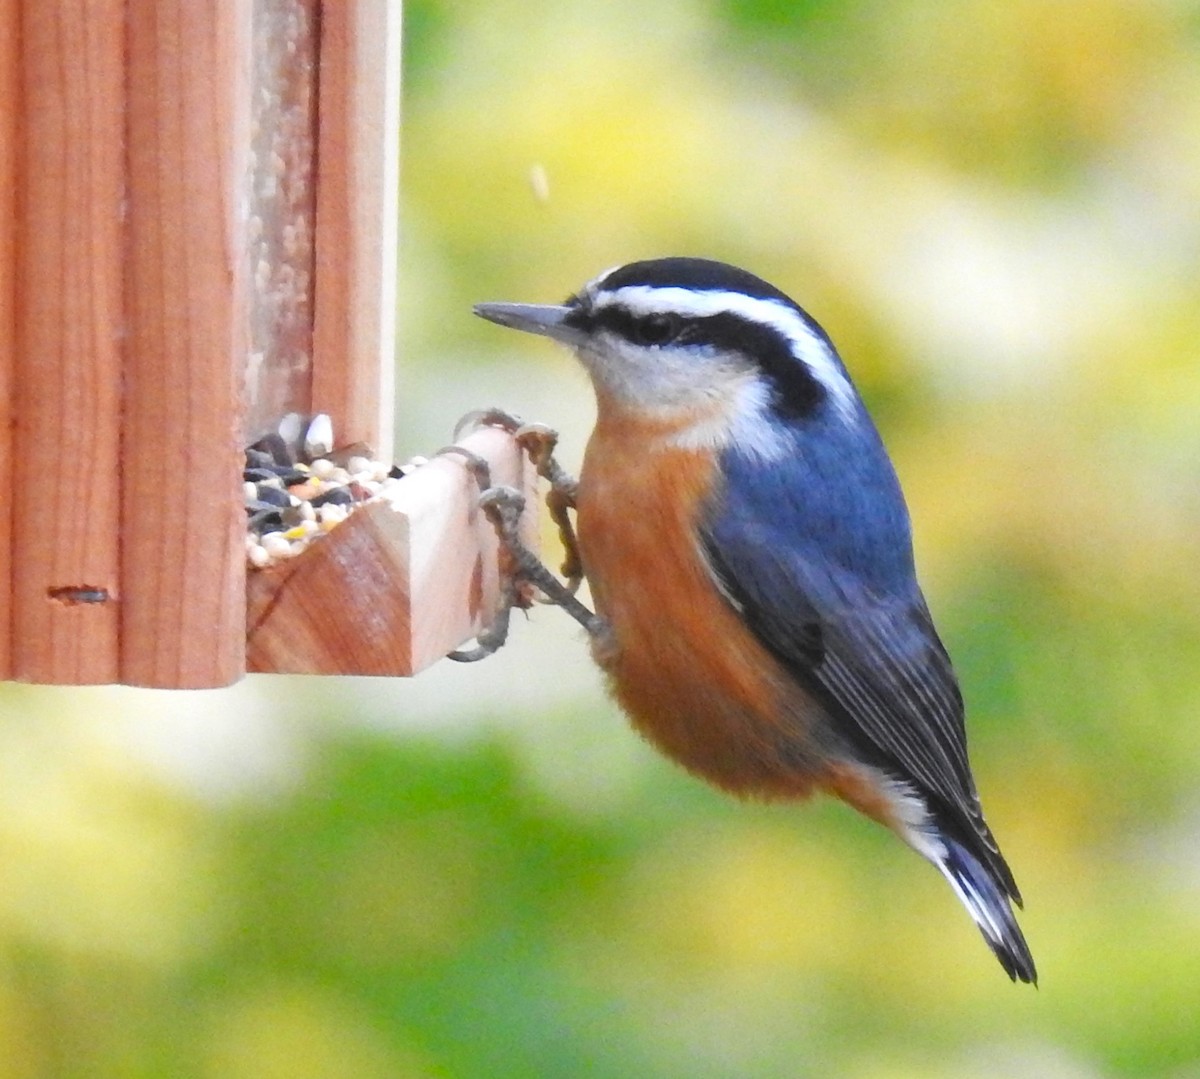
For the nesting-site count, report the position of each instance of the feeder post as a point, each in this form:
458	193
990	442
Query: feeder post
183	569
357	244
65	473
10	84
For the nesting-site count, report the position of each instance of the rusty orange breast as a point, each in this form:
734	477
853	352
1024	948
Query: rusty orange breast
682	664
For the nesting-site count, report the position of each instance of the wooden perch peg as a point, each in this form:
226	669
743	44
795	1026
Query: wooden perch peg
400	583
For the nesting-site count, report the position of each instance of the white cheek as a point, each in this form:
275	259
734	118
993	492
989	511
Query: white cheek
611	369
755	430
709	402
743	420
645	378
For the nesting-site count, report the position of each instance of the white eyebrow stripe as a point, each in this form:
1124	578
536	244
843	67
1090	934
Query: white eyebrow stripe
806	343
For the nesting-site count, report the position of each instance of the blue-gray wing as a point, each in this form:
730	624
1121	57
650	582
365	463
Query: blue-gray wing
841	610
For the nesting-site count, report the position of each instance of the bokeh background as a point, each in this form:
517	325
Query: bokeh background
994	208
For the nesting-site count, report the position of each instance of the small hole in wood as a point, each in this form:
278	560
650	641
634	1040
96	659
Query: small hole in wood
78	593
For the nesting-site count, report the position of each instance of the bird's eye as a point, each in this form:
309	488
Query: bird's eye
658	329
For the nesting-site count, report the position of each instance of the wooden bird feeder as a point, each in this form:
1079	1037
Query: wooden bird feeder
199	236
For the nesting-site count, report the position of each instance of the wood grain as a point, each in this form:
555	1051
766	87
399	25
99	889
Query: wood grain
66	590
395	587
10	87
358	125
182	554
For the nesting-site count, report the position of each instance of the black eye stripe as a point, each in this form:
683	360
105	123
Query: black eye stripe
797	392
617	320
658	329
797	389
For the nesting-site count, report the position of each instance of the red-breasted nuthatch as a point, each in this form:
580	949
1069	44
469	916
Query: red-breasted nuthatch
749	552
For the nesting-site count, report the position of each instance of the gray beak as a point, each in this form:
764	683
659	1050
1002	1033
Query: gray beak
547	319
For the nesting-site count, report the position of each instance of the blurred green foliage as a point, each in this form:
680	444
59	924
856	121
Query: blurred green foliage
995	210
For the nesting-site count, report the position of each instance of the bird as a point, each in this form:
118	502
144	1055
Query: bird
749	554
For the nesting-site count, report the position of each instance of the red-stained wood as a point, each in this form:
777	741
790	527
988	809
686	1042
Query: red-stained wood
66	588
10	85
395	587
182	555
356	231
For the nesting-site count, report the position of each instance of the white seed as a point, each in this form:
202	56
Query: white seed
332	513
318	439
276	545
323	468
289	428
257	555
249	491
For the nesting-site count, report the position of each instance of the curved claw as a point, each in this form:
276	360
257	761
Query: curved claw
490	640
487	417
504	506
558	501
476	465
538	440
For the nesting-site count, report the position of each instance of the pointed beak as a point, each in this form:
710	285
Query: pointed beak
547	319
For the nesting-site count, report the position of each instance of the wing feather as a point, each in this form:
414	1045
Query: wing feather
864	644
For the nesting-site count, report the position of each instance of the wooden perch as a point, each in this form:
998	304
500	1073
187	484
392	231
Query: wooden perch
396	586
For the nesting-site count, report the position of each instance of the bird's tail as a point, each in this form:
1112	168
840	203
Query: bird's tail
989	907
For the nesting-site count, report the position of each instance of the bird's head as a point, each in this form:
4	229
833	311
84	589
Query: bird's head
701	344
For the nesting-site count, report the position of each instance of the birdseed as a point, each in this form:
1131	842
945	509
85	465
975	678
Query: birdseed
293	496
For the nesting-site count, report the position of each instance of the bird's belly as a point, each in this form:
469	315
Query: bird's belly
680	661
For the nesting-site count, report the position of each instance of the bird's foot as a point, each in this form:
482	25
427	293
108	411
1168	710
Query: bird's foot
520	567
540	441
492	637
